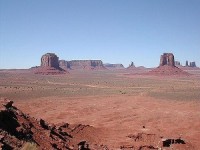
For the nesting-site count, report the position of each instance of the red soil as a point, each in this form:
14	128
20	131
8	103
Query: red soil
124	122
48	71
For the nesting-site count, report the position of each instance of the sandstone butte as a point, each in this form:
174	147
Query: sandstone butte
167	67
49	65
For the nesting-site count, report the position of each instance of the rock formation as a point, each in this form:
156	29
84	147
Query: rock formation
192	64
186	63
167	67
49	65
167	59
177	63
49	60
114	66
21	131
82	64
131	66
64	64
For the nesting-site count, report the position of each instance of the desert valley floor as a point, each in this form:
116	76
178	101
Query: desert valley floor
118	104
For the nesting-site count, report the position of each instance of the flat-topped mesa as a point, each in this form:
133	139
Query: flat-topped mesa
64	64
50	60
82	64
113	66
167	59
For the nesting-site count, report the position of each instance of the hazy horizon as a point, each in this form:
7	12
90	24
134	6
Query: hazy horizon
113	31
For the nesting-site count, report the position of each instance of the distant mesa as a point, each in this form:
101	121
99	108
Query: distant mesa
187	64
113	66
82	64
177	63
132	67
167	66
49	65
191	64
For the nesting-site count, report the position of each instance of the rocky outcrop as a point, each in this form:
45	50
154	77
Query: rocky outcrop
167	59
114	66
49	65
82	64
64	64
21	131
50	60
131	66
192	64
177	63
167	67
186	63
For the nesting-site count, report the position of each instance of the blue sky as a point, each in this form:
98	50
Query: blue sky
115	31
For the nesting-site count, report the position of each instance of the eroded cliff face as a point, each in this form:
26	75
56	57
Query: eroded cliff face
20	131
167	59
114	66
49	60
167	67
82	64
49	65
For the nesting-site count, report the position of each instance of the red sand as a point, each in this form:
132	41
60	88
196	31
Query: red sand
119	117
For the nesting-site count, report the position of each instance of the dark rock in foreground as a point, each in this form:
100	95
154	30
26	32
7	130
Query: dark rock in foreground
19	130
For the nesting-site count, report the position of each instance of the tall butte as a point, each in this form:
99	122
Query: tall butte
167	59
49	65
167	66
49	60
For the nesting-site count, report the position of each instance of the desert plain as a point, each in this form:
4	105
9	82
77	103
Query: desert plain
119	104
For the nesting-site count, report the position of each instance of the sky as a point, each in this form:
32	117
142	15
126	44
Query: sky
114	31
